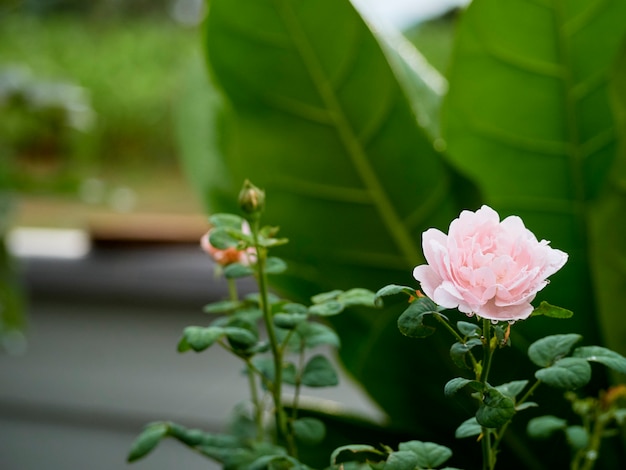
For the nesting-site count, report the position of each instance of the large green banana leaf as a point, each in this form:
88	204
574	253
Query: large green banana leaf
321	122
528	117
608	234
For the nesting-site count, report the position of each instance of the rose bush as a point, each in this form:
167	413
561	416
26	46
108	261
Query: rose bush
485	266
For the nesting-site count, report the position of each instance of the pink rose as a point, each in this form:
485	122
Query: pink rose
229	255
486	267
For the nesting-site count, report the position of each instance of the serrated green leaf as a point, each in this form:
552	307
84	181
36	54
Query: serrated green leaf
551	311
495	410
226	221
289	320
568	373
468	428
545	351
357	296
316	334
326	296
577	437
310	431
240	338
512	389
364	449
222	238
294	308
326	309
265	365
393	289
276	462
411	322
543	427
459	351
199	338
237	270
456	384
429	454
255	298
605	356
274	265
401	460
147	441
526	405
319	372
469	329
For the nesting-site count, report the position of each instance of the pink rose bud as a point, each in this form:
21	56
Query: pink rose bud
486	267
229	255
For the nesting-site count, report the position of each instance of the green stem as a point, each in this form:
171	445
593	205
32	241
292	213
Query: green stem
232	290
279	411
254	395
250	370
502	430
488	351
457	336
489	457
298	384
589	455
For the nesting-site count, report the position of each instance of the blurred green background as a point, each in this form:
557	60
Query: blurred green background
86	93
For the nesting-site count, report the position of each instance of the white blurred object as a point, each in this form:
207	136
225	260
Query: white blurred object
48	243
123	199
404	13
188	12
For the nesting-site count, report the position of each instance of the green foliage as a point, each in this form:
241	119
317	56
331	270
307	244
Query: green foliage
129	72
231	451
540	107
605	356
319	372
411	322
552	311
545	351
543	427
411	455
288	333
568	373
147	441
496	408
468	428
429	454
310	431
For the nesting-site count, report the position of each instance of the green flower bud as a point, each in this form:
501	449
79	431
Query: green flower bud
251	198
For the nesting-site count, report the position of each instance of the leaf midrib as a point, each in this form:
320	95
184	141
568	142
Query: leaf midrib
384	207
